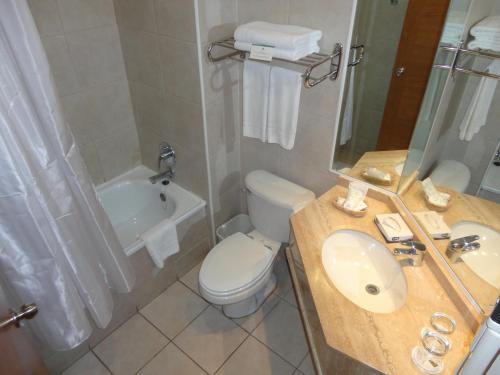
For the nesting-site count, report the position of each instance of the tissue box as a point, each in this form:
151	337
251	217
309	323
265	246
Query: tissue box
393	227
433	224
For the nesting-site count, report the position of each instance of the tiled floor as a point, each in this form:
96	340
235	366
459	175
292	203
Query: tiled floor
180	333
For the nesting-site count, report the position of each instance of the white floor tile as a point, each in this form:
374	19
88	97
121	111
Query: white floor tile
248	323
253	358
174	309
282	331
87	365
290	298
190	279
171	361
131	346
307	367
210	339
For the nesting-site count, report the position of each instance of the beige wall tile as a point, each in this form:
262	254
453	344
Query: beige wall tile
92	162
46	15
142	57
137	15
175	18
61	65
275	11
85	14
218	19
180	68
96	54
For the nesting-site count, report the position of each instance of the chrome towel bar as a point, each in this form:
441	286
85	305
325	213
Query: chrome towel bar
459	52
310	62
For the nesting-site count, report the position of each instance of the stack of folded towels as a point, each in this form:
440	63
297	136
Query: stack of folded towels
290	42
486	34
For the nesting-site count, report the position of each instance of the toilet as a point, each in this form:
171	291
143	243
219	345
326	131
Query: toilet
238	272
451	174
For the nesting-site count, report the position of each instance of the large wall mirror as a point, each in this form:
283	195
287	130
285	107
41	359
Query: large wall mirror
392	50
434	130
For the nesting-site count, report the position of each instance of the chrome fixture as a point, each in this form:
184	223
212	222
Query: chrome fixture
459	52
166	156
414	253
26	312
359	54
311	62
459	246
496	159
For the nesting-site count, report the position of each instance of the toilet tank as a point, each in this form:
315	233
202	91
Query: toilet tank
271	201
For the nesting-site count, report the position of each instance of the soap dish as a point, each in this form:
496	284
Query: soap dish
377	181
349	212
441	189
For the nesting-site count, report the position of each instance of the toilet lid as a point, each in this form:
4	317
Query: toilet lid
234	263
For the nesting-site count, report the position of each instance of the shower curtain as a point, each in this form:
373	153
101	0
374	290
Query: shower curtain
57	246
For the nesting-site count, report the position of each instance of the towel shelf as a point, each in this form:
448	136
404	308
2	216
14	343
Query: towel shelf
458	52
310	62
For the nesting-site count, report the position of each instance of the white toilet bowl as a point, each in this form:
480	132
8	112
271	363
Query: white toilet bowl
238	272
451	174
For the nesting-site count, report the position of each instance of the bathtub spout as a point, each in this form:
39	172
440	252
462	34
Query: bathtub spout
167	175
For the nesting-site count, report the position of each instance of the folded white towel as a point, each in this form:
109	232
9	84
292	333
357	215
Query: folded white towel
486	25
279	36
256	79
284	102
161	242
486	45
479	107
280	53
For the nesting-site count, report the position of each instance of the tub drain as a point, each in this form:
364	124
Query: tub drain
372	289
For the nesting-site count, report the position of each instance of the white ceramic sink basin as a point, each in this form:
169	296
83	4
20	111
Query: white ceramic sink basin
364	271
485	262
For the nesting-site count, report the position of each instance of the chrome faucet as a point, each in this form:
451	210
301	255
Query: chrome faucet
459	246
414	254
166	156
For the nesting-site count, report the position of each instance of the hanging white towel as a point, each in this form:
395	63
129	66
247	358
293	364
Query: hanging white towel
287	54
256	78
477	113
284	101
161	242
347	119
279	36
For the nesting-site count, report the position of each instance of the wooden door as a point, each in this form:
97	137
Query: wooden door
17	353
420	37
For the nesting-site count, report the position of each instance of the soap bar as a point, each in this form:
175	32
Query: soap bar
433	224
393	227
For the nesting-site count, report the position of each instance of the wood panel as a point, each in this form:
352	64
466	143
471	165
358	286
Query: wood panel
417	48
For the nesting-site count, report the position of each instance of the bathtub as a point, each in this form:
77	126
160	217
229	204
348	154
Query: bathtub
133	205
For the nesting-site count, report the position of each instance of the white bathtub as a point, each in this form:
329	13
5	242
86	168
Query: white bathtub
133	205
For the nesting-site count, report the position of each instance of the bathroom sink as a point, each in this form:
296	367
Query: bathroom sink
485	262
364	271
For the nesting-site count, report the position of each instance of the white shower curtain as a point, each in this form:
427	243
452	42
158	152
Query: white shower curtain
57	246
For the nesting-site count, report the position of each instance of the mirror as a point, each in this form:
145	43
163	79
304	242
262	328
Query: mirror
385	85
456	143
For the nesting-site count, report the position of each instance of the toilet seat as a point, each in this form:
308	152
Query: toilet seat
235	264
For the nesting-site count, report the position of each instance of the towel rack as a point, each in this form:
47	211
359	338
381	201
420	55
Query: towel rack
458	52
310	62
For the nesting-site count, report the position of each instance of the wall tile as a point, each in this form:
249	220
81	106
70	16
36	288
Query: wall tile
118	153
221	80
186	124
142	57
191	171
180	68
61	66
218	19
92	162
137	15
46	15
80	15
275	11
175	18
150	109
97	55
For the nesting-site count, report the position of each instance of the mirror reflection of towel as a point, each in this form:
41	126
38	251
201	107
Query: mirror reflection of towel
476	115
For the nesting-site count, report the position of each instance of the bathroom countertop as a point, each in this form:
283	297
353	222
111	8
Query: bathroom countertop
464	207
380	341
384	160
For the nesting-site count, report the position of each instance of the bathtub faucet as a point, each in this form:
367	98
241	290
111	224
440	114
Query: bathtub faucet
166	156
